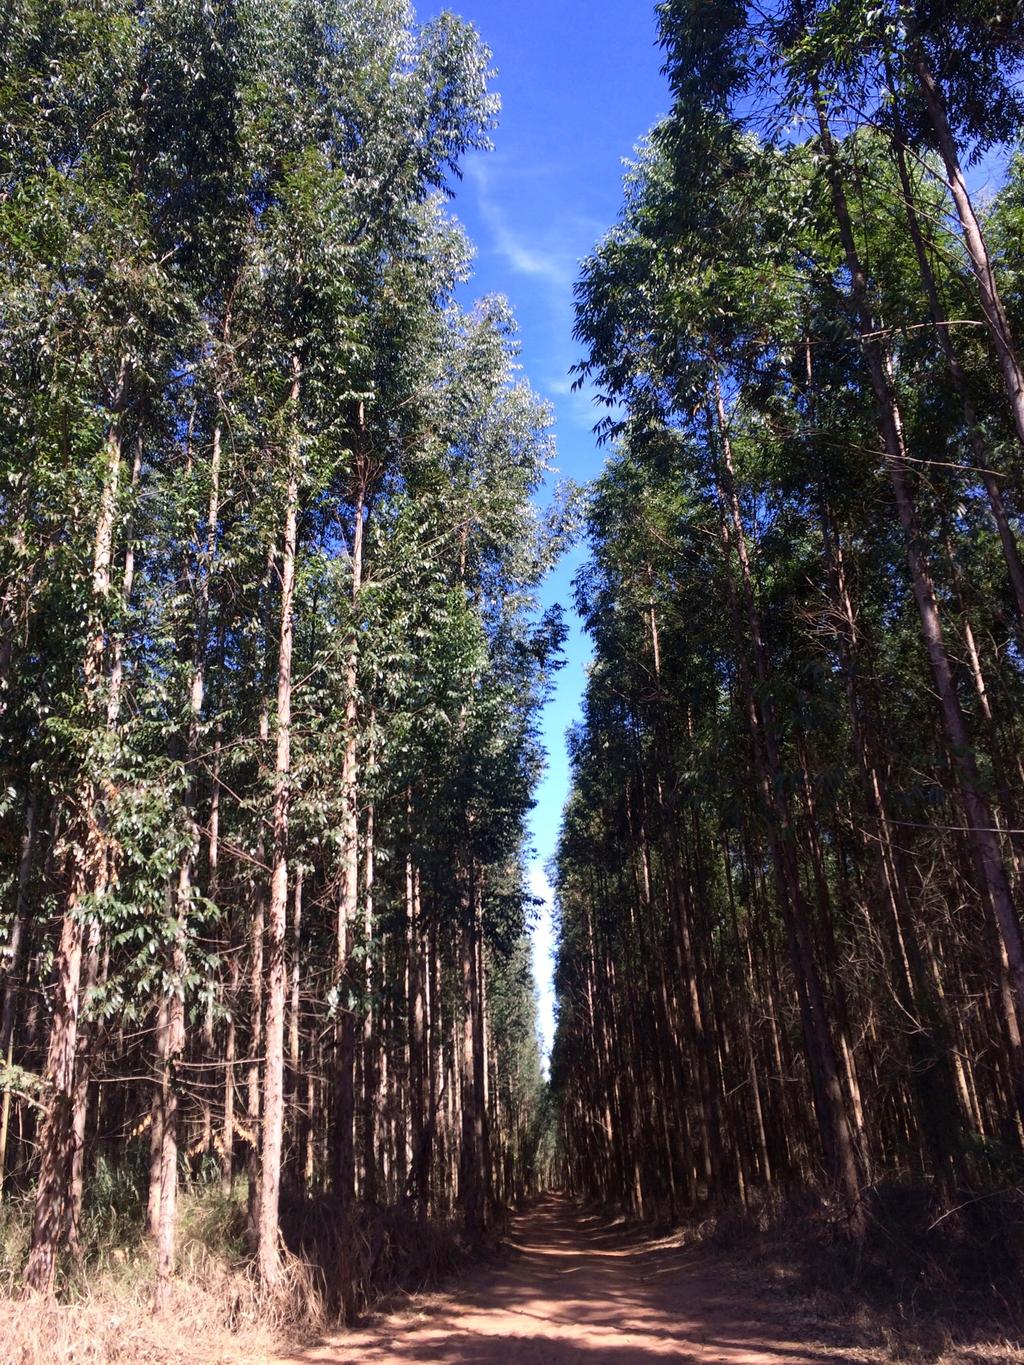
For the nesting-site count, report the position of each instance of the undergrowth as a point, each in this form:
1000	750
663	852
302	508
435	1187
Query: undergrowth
357	1258
335	1266
936	1279
101	1311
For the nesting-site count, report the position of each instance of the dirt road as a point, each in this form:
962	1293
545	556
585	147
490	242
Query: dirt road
579	1290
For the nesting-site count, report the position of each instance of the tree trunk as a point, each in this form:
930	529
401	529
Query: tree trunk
370	1064
470	1155
348	896
295	1017
14	965
277	910
85	863
974	239
169	1115
983	836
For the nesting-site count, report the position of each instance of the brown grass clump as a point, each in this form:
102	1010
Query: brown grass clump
353	1259
113	1323
102	1311
334	1267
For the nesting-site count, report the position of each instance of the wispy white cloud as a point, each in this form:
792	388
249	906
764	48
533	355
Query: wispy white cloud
551	261
544	246
561	387
528	260
543	944
580	406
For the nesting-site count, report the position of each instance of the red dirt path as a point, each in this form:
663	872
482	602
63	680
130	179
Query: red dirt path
576	1289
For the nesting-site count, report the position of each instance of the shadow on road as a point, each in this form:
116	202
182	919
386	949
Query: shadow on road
579	1289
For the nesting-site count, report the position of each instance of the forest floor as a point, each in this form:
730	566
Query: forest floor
576	1288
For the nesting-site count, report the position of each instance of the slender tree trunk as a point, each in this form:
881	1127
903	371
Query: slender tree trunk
348	896
85	864
171	1052
256	935
227	1151
977	250
481	1124
370	1064
348	905
983	835
87	1037
417	1059
470	1158
156	1114
14	965
295	1018
277	910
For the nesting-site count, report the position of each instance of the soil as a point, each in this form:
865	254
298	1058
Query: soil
576	1288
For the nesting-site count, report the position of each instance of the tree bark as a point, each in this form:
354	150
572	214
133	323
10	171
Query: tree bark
277	911
983	836
348	895
370	1022
14	966
85	864
470	1153
977	250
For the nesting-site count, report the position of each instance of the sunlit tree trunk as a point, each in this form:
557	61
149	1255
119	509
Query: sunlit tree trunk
277	908
348	893
85	863
982	832
14	964
370	1097
992	307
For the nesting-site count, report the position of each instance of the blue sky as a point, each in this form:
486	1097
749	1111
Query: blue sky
580	84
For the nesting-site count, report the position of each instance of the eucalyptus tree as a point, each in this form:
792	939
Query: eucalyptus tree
106	317
943	78
474	682
709	319
804	90
272	664
759	776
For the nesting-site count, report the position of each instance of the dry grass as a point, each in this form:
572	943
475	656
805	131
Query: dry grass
103	1309
219	1312
110	1324
353	1259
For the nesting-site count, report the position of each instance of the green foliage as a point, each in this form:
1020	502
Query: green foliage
229	283
759	726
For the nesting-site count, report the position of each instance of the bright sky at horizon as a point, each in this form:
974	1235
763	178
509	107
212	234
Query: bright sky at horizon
580	85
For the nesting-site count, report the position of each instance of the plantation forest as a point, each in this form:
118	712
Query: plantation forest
278	503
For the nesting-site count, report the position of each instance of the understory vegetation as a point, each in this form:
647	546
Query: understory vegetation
789	878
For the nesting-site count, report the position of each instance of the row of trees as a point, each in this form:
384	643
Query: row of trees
790	870
269	660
